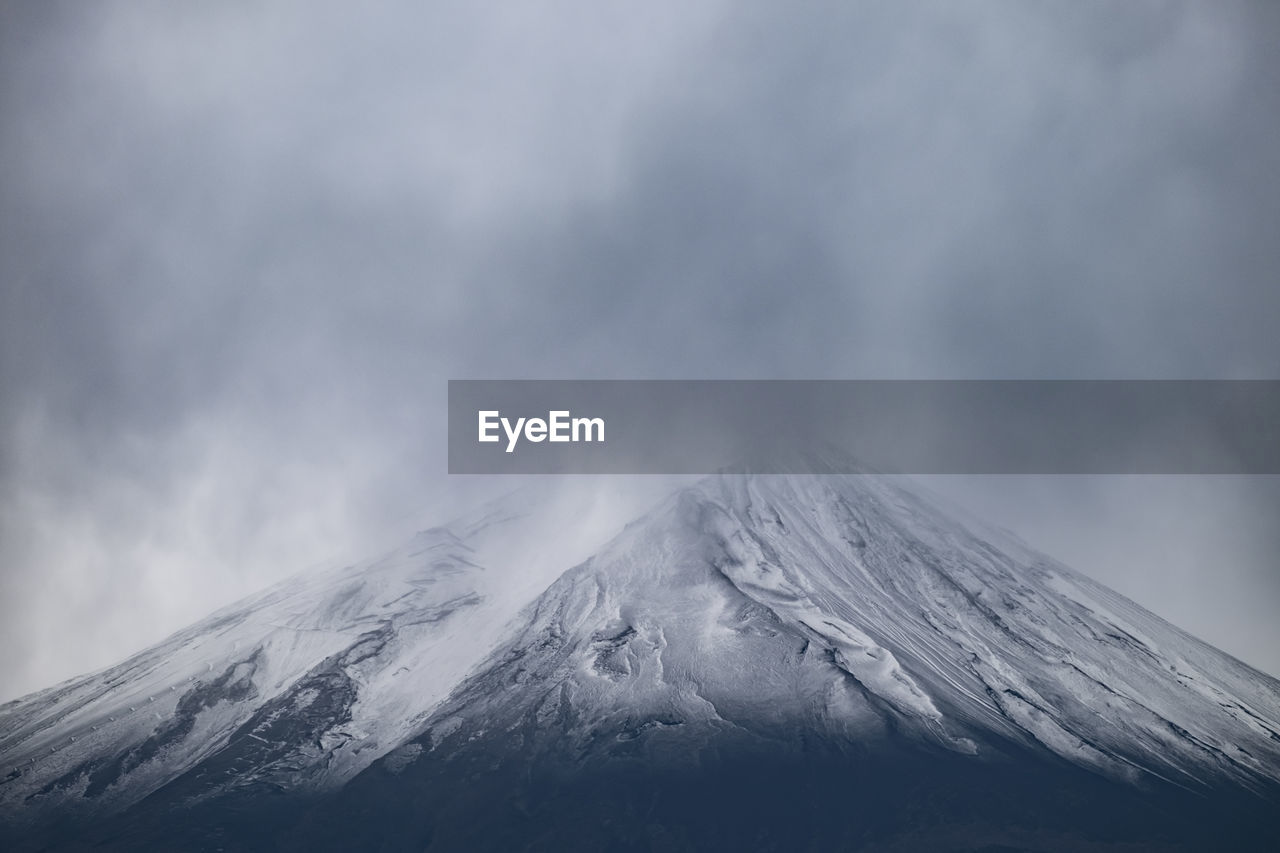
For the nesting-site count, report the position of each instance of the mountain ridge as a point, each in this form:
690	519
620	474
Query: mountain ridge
842	618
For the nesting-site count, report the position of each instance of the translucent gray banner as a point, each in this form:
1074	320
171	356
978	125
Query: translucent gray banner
822	426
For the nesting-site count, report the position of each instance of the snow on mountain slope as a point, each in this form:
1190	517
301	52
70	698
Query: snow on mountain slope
305	683
917	607
802	615
849	607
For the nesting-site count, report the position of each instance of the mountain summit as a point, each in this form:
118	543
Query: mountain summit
761	662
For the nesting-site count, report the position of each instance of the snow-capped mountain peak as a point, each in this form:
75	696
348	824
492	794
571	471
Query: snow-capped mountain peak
797	615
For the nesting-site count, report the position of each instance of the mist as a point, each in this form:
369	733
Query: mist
244	247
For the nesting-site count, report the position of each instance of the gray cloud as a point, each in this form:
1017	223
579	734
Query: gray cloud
243	246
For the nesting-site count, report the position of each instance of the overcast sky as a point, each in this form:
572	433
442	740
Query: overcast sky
244	244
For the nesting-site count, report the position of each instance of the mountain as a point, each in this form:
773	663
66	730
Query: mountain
761	662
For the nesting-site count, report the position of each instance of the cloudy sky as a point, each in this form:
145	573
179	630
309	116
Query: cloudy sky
244	244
